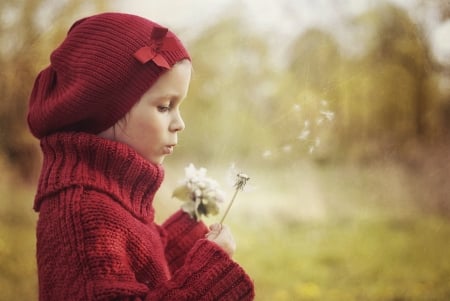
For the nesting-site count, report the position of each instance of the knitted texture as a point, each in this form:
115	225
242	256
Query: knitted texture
101	69
96	235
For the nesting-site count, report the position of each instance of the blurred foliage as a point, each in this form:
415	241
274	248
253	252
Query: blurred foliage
228	94
379	105
18	275
400	58
29	31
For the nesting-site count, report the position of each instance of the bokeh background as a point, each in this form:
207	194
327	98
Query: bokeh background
338	110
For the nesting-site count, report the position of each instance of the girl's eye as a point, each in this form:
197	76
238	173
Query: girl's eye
163	109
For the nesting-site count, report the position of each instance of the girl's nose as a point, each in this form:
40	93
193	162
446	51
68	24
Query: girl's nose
177	124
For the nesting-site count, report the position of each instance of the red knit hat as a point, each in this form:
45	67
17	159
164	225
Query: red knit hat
102	68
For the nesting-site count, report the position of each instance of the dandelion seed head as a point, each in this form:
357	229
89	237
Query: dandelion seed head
241	180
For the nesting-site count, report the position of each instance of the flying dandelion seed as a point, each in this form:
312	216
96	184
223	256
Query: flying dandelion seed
317	142
296	108
287	148
310	120
304	134
328	115
267	154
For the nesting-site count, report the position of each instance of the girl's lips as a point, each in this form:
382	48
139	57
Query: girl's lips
168	149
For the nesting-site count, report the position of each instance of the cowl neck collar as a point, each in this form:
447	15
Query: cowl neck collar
80	159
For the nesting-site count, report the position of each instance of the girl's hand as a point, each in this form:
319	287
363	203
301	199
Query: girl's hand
221	235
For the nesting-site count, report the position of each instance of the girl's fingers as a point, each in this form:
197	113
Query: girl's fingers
215	227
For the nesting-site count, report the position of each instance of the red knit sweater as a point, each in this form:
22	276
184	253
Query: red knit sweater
97	239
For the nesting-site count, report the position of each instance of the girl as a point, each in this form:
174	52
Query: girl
106	112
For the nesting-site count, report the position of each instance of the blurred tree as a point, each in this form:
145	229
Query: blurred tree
441	68
230	95
315	60
29	31
398	55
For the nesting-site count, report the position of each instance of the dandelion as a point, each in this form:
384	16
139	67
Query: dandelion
201	194
241	181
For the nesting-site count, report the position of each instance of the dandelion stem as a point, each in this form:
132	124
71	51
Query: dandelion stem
239	185
229	206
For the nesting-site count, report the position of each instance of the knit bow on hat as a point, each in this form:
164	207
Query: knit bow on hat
159	43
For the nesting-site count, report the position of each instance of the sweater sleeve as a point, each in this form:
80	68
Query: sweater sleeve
207	274
201	269
181	234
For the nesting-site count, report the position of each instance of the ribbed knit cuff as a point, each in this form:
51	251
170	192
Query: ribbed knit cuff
214	275
182	232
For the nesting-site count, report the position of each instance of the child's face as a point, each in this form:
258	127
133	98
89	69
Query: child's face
152	125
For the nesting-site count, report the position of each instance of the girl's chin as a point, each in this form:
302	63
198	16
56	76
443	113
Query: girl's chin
157	160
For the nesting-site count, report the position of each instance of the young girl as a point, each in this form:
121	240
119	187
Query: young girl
106	112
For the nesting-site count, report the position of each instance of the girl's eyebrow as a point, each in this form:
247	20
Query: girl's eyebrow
170	96
175	97
165	97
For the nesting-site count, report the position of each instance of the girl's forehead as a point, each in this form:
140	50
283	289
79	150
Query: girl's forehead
172	85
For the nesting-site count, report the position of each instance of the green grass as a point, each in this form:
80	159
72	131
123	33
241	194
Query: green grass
367	259
368	242
304	233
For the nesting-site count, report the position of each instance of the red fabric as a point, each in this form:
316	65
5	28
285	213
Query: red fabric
94	77
96	236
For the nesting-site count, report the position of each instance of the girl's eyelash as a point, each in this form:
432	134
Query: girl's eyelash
164	108
167	107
